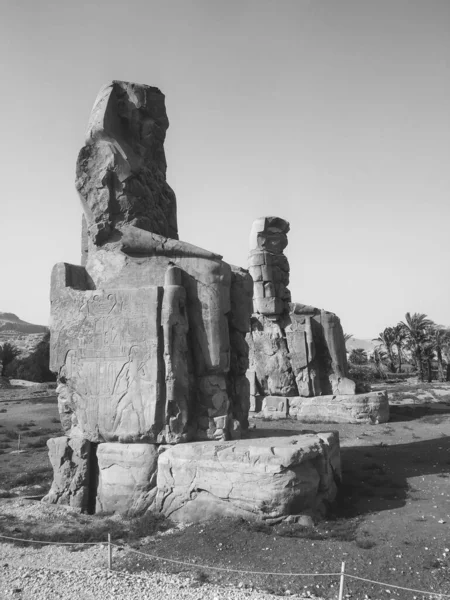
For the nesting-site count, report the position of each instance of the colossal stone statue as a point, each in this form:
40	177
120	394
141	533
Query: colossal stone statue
297	351
148	339
140	333
148	336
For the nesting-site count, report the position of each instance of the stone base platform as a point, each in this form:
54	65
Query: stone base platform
372	407
263	478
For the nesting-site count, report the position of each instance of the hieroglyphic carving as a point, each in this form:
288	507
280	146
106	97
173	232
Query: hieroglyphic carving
109	355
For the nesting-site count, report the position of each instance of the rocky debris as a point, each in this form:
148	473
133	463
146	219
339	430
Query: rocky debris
259	478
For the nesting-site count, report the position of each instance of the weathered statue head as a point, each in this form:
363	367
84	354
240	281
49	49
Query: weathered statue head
121	170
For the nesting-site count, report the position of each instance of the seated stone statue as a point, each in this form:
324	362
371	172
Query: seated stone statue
295	350
141	332
148	341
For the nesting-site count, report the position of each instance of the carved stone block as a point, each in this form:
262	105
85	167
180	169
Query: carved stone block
369	408
266	477
70	459
126	477
275	407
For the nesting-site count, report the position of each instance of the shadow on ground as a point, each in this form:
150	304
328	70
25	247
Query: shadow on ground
375	477
411	412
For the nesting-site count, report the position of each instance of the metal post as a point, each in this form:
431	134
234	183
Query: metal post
109	552
341	585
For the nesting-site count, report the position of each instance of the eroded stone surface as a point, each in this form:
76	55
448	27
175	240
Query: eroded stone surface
267	477
126	477
295	349
268	266
121	171
275	407
372	407
148	336
69	458
241	307
269	358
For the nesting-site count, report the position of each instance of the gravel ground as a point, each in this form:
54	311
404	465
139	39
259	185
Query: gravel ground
57	572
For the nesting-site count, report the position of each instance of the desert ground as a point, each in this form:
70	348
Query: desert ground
391	522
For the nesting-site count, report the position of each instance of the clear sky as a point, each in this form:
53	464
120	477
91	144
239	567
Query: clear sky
332	114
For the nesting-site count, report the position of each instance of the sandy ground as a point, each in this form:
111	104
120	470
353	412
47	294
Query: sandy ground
392	522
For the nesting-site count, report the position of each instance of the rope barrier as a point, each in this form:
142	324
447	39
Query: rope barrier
225	569
54	543
199	566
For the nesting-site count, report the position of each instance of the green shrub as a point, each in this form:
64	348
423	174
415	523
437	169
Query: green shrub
34	367
38	443
8	353
364	374
37	476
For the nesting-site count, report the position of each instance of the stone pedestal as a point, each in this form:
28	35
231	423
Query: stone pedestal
369	408
261	478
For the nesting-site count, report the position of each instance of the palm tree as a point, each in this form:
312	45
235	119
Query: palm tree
347	336
415	327
8	353
439	339
399	341
358	356
387	339
428	356
379	357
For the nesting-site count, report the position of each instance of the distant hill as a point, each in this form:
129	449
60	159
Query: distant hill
32	341
9	322
366	344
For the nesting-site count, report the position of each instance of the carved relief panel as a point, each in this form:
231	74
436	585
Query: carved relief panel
108	350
